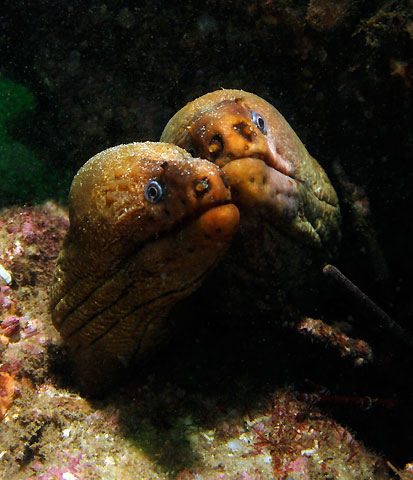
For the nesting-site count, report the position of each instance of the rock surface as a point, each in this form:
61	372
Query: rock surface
160	424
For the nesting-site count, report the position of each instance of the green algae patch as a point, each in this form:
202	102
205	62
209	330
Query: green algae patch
25	177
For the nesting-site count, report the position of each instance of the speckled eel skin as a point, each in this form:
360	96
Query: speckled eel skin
290	216
148	222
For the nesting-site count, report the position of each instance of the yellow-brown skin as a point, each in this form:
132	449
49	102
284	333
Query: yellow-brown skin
290	216
126	261
267	168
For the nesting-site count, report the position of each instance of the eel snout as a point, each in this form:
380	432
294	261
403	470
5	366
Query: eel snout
229	133
195	188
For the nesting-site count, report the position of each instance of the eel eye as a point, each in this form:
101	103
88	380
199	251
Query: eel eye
259	122
153	191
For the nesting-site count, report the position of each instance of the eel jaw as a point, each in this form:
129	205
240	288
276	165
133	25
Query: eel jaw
256	185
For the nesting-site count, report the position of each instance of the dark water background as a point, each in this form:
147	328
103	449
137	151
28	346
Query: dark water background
77	77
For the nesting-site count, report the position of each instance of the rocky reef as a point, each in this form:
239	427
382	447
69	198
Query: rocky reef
161	423
256	401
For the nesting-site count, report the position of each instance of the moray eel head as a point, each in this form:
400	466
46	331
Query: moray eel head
148	222
270	172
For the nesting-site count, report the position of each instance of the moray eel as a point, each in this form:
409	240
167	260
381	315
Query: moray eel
148	223
290	216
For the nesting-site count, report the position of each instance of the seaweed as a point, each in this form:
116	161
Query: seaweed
25	178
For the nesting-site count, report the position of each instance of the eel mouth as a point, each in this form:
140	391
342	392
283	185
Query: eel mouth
209	232
212	229
257	185
112	307
275	161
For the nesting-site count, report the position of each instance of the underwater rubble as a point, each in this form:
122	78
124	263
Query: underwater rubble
152	428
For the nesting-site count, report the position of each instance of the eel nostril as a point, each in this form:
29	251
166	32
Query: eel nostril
201	186
216	145
245	130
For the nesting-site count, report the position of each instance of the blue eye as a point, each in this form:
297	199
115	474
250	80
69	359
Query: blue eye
153	191
259	122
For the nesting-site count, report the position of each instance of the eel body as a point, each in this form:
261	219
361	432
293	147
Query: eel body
290	216
148	222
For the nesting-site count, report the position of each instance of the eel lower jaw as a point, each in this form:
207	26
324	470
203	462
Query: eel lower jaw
218	223
257	185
